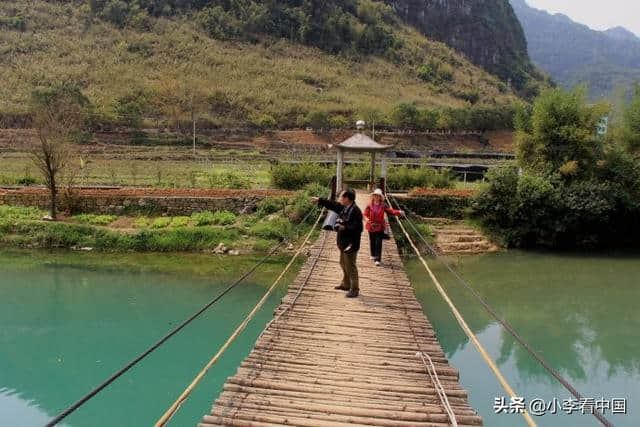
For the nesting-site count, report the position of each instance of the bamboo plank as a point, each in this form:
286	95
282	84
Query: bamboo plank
329	361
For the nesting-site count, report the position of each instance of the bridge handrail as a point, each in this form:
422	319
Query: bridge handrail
600	416
175	406
463	324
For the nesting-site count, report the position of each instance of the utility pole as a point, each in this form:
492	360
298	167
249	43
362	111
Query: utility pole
193	120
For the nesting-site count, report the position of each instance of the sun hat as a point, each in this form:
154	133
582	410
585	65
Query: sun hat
377	192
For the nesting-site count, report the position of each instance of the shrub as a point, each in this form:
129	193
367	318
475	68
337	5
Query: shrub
472	96
278	228
13	23
161	222
20	212
405	116
296	176
228	179
130	108
375	38
270	205
203	218
224	218
338	122
27	180
263	245
435	72
93	219
300	206
629	133
316	190
264	121
317	120
406	178
180	221
442	178
141	222
537	210
438	205
358	171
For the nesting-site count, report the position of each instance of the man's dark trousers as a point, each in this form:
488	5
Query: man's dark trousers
349	270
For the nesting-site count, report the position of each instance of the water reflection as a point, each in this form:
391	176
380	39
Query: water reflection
64	327
578	311
18	411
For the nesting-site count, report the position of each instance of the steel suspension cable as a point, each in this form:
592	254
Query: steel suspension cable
596	413
68	411
175	406
465	327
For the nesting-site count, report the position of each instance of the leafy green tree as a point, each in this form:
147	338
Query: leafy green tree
562	129
131	108
317	120
630	131
339	122
405	116
575	190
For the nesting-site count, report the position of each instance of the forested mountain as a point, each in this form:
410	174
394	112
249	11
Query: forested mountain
573	53
486	31
235	62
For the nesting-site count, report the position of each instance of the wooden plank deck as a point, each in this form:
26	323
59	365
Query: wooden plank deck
336	361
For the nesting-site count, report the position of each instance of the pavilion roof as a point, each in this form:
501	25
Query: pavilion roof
361	143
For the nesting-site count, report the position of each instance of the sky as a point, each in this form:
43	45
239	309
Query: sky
596	14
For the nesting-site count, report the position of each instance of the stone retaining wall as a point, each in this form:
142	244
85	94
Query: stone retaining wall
122	204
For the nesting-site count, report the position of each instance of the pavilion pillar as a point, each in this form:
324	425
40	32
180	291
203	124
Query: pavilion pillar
383	167
340	173
372	175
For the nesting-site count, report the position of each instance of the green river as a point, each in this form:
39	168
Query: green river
68	320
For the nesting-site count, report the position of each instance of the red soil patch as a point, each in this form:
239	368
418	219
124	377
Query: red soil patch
425	192
502	141
163	192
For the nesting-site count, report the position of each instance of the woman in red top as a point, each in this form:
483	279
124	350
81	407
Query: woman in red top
376	224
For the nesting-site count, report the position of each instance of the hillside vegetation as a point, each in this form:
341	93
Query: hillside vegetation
486	31
232	63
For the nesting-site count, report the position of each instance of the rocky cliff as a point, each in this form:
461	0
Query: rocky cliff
486	31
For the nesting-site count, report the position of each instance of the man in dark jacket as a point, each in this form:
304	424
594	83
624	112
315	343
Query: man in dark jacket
349	228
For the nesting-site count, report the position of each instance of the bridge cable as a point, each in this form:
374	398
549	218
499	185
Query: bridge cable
596	413
300	288
175	406
174	331
431	370
463	324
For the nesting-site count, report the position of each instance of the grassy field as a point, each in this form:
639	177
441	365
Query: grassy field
199	173
232	82
18	168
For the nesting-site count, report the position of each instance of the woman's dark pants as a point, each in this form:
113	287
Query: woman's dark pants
375	240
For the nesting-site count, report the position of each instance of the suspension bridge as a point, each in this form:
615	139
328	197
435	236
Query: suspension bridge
327	360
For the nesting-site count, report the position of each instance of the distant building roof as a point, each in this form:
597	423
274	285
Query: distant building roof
361	142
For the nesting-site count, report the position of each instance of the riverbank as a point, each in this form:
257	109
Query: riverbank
221	232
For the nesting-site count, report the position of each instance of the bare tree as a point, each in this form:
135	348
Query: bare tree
57	116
